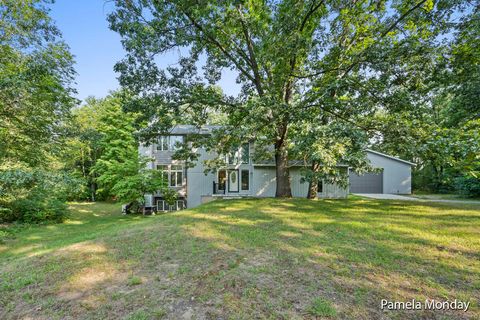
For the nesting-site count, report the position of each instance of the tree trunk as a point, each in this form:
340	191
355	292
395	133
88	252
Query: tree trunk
282	171
313	184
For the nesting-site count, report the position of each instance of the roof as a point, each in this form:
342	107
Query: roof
189	129
390	157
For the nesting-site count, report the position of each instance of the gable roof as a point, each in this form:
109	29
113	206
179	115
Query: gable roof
390	157
190	129
182	129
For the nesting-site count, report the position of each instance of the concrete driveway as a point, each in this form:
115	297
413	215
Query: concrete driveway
385	196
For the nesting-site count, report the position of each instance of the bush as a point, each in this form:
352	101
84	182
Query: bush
7	215
32	195
468	186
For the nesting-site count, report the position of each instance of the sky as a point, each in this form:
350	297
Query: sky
96	48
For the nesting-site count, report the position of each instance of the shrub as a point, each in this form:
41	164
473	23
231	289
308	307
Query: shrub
32	195
7	215
468	186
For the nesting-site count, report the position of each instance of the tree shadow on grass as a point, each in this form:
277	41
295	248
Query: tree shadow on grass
257	259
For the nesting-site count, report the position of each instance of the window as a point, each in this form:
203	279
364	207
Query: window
241	155
163	143
180	204
245	179
222	179
164	169
320	186
162	205
176	176
245	153
166	143
175	142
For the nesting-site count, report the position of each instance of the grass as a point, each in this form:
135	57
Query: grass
322	308
441	196
244	259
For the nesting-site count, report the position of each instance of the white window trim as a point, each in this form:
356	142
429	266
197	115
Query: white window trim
175	172
174	207
169	147
169	172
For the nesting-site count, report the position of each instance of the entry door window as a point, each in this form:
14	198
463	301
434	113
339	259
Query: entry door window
233	181
222	179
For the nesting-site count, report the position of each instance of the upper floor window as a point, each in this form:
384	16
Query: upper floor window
242	155
245	153
166	143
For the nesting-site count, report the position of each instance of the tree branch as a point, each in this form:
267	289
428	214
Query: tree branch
253	60
219	46
353	64
341	117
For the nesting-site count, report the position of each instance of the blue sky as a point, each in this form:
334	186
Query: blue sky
96	48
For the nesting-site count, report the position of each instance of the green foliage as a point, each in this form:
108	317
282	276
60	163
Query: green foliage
36	96
84	146
36	74
468	186
169	195
135	183
297	62
120	171
32	195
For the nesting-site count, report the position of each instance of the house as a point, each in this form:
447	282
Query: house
242	177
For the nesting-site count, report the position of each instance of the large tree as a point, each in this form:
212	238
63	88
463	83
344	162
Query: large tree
296	61
439	127
36	75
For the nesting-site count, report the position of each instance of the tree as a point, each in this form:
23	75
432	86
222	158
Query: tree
438	129
322	147
119	157
120	171
292	59
36	74
83	147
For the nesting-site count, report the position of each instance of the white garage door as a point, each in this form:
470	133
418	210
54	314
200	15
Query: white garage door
366	183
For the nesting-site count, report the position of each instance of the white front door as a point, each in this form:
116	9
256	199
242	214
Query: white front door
233	181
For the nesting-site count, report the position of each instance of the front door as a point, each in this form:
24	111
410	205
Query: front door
233	181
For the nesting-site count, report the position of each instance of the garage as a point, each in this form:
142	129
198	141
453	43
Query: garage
393	175
366	183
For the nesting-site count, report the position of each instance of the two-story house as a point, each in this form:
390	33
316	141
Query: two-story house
242	177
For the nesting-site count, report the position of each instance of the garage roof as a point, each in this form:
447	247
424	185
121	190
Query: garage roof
391	157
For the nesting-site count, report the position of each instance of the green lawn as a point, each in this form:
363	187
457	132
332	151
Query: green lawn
245	259
442	196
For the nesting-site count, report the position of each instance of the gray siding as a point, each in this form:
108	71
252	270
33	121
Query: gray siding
397	175
265	184
198	184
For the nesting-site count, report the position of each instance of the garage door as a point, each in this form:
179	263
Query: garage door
366	183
